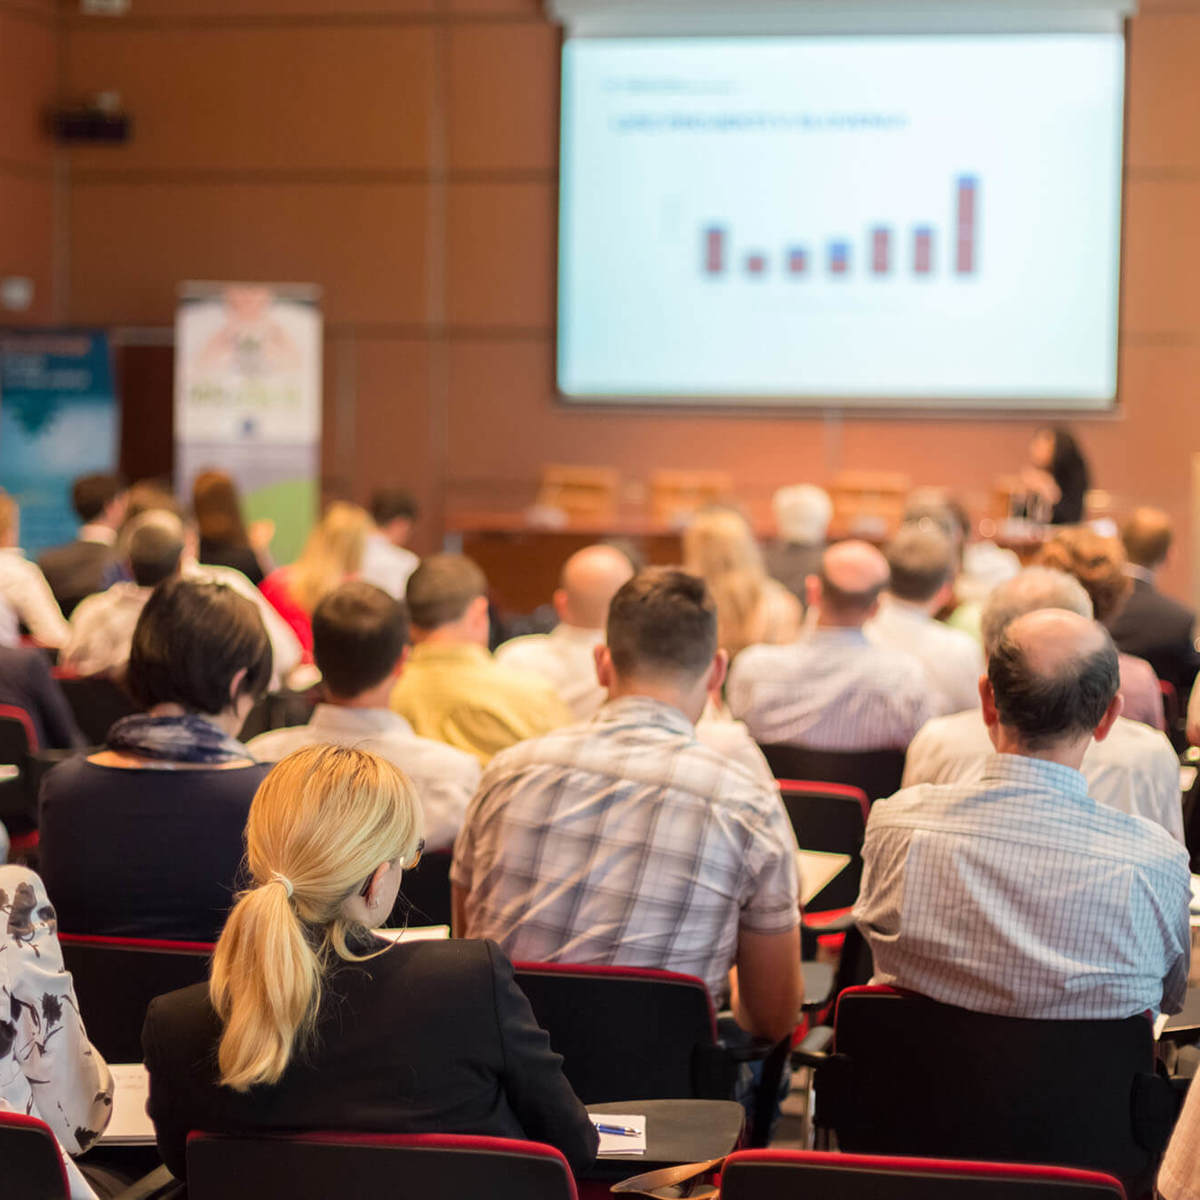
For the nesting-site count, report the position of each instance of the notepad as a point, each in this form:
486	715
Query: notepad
129	1125
416	933
817	868
621	1143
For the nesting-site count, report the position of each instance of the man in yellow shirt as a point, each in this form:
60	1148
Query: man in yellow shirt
453	689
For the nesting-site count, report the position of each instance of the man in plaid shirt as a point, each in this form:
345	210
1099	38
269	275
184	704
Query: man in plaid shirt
626	840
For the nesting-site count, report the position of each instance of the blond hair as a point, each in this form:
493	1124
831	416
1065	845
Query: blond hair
333	552
323	819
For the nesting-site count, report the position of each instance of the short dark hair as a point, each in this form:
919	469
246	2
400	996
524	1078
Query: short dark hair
1044	709
663	619
387	504
190	641
92	494
441	588
921	560
359	633
153	554
838	600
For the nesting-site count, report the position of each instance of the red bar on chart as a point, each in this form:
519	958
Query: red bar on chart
967	214
922	250
756	264
839	258
714	250
797	261
881	250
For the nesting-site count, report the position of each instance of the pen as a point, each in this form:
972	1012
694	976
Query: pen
622	1130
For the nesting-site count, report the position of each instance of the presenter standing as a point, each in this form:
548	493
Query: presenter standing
1056	478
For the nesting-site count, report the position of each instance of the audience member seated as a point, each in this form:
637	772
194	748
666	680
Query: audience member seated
802	516
225	540
312	1021
626	840
332	553
48	1068
1019	894
89	563
566	656
834	689
1099	564
102	626
452	689
1133	770
25	596
1153	625
26	682
921	570
144	839
360	638
1179	1175
752	608
387	563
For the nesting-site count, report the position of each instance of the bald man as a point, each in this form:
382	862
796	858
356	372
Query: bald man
1152	625
565	657
834	689
1019	894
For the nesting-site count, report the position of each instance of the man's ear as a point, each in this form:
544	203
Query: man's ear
605	672
987	698
401	662
560	604
812	591
1111	713
235	685
717	672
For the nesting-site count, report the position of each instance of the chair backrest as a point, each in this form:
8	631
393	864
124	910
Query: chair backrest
628	1033
787	1174
877	772
279	710
314	1166
116	978
31	1167
18	743
832	818
424	892
978	1086
97	702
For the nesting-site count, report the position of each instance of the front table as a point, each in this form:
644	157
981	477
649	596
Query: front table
677	1131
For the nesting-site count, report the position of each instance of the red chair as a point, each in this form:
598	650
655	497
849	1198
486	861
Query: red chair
315	1166
32	1168
116	978
787	1174
18	797
96	702
832	818
877	772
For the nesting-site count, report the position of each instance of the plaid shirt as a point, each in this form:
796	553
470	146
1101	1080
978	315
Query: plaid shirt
625	840
1020	895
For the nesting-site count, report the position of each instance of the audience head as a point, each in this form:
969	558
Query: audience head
1052	685
1097	562
202	648
921	562
154	552
394	512
846	593
447	596
802	514
150	495
590	579
1146	536
10	520
661	640
359	637
332	553
1033	589
218	509
933	507
99	499
329	833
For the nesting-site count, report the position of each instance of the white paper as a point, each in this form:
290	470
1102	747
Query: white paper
416	933
618	1143
129	1125
817	868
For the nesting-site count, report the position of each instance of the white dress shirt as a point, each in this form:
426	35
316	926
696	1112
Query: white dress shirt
1018	894
565	658
444	778
387	565
1134	769
952	659
25	596
832	690
102	629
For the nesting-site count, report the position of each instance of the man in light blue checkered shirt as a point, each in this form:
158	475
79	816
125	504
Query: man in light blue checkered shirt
1017	893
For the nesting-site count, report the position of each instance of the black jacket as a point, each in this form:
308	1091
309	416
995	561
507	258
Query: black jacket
428	1037
26	682
77	570
1159	629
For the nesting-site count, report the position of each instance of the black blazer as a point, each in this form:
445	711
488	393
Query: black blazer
25	681
429	1037
1159	629
77	570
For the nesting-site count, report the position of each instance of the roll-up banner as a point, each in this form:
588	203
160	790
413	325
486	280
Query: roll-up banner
248	398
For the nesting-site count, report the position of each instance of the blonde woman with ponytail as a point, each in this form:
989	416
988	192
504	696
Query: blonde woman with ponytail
312	1021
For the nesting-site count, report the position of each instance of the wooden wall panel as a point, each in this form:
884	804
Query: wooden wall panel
1162	257
28	64
1164	102
160	12
26	242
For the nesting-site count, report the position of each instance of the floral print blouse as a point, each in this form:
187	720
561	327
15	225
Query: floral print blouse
48	1068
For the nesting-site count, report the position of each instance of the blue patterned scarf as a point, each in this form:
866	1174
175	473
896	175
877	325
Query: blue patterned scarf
189	739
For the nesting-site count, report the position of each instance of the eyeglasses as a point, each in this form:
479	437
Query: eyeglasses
366	887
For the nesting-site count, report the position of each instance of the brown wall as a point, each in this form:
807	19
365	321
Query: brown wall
404	158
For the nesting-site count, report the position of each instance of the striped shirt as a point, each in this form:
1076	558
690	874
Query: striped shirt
832	690
1020	895
626	840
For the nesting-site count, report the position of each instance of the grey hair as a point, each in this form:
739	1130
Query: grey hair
1033	589
802	513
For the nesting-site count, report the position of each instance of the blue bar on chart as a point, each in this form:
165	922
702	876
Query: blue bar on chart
839	257
756	264
881	250
966	215
922	262
797	261
714	250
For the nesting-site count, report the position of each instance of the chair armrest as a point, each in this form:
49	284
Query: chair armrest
842	924
813	1049
160	1184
